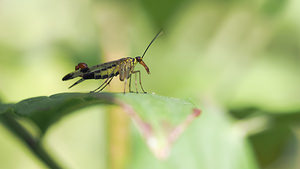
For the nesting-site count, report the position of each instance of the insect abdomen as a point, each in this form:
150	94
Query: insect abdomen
106	76
103	73
93	75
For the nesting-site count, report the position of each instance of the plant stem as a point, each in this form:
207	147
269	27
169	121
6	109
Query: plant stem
33	144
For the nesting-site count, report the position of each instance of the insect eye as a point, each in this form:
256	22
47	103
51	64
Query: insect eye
138	58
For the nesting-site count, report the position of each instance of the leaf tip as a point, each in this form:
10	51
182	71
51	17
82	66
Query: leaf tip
197	112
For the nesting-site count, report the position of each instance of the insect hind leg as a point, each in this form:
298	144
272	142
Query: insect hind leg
104	84
94	91
107	83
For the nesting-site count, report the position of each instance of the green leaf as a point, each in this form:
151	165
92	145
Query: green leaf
213	141
274	137
159	119
270	145
44	111
5	107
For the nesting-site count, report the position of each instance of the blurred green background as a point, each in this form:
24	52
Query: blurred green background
237	60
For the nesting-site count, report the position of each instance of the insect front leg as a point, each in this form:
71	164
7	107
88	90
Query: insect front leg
135	84
130	85
125	73
139	72
135	81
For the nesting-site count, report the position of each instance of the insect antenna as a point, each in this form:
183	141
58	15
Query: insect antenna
151	42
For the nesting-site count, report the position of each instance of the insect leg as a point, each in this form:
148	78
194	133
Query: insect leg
109	80
125	81
135	81
130	84
137	71
106	82
99	86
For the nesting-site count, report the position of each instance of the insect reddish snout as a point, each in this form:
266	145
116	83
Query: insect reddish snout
81	66
145	66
